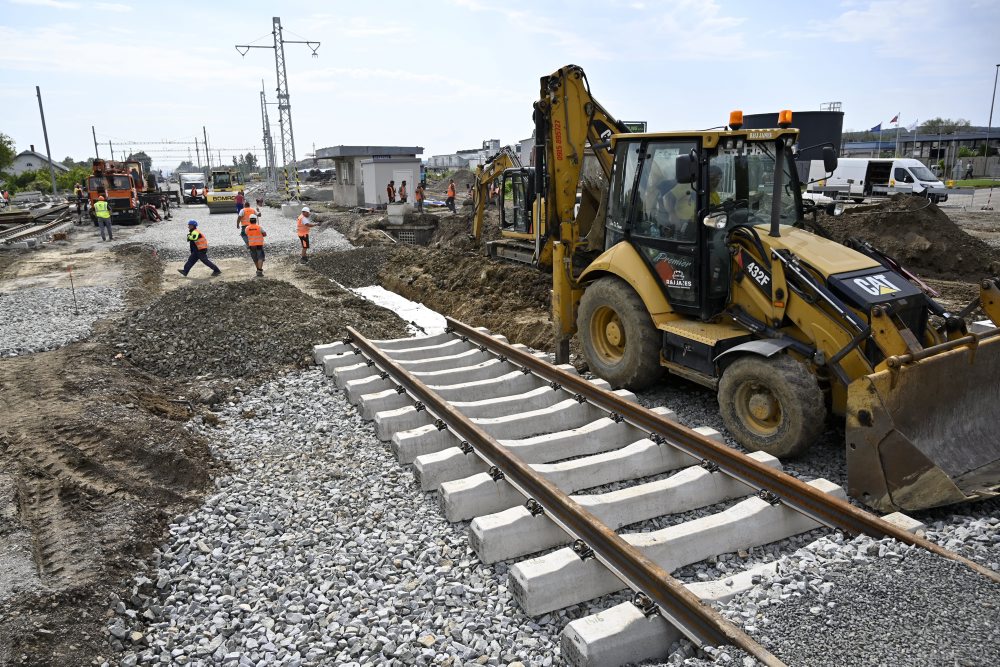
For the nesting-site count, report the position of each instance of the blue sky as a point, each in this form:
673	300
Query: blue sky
447	74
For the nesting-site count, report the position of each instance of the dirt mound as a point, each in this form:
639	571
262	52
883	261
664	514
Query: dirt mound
242	329
94	455
506	298
918	235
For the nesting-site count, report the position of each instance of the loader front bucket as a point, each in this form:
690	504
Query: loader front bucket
927	432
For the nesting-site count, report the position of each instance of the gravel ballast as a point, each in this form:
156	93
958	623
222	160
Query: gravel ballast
319	550
35	320
873	602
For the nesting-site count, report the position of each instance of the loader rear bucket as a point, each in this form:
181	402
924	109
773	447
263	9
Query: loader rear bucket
927	433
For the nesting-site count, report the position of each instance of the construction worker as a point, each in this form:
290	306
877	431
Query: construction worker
240	200
243	219
259	207
451	195
402	192
255	241
199	251
78	194
103	213
419	196
390	192
302	226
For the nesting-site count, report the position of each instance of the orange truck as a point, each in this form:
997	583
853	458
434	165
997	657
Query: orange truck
121	184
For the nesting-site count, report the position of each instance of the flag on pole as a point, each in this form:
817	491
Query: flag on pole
877	128
895	119
912	127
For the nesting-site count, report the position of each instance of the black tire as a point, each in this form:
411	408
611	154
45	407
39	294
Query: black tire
858	200
772	404
619	341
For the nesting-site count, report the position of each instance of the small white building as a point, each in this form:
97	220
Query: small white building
364	171
29	160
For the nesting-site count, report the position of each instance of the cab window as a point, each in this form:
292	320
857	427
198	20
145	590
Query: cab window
902	176
665	209
622	188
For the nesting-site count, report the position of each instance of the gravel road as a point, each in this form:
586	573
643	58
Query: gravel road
224	239
35	320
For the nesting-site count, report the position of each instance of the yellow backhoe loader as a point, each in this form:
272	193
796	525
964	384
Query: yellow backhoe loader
693	259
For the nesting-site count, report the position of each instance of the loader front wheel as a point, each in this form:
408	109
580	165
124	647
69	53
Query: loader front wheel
772	404
620	343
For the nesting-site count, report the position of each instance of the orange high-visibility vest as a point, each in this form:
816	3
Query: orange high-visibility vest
451	189
402	191
200	242
255	235
301	228
419	194
194	192
245	214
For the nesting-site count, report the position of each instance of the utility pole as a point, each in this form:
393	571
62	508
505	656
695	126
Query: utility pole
45	133
284	104
268	146
94	133
208	156
197	153
112	149
986	163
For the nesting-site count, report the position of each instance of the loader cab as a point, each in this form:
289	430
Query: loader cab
675	197
517	198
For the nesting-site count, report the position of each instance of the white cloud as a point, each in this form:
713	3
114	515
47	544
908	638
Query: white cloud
112	7
55	4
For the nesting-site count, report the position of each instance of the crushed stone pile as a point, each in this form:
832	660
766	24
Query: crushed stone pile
352	268
919	236
244	329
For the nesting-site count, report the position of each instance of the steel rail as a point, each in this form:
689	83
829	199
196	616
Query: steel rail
775	484
698	621
35	229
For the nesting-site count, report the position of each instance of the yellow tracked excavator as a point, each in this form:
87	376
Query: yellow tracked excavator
691	257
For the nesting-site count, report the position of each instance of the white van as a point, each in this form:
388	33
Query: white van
858	178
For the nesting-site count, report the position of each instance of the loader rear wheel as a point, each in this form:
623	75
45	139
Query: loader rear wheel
772	404
619	340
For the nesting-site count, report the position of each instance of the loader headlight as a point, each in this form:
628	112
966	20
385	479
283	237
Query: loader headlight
716	220
835	208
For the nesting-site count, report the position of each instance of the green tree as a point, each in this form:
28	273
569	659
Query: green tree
144	160
943	125
8	151
185	167
75	175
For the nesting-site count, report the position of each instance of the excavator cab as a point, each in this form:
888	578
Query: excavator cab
675	198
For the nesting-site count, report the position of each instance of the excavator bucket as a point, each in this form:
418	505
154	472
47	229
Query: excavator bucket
927	432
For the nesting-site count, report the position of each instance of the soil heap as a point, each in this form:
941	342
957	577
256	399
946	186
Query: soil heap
919	236
95	455
243	329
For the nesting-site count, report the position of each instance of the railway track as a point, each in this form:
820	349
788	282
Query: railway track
511	443
35	230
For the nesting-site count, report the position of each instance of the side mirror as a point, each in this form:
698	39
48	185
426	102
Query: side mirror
829	159
685	169
717	220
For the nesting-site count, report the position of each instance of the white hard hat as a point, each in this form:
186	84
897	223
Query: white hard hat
305	209
253	216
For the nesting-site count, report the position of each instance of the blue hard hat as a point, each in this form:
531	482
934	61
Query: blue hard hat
193	223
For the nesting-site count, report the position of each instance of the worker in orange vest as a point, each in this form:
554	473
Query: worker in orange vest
302	225
243	219
199	251
255	241
390	192
418	194
451	195
402	192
